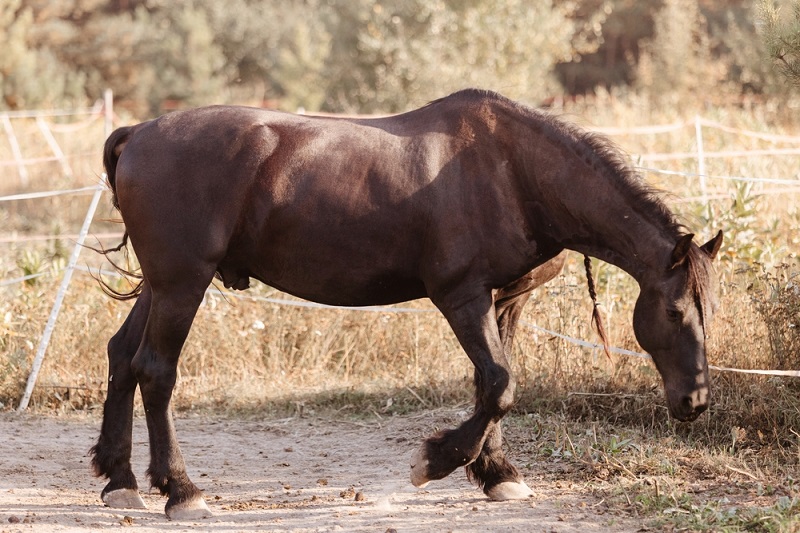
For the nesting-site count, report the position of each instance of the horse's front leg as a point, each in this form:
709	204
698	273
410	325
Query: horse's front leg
492	471
155	364
472	317
112	453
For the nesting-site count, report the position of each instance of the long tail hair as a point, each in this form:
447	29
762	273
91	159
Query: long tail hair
111	152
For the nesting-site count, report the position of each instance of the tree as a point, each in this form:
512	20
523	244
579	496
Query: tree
31	74
389	55
678	60
782	37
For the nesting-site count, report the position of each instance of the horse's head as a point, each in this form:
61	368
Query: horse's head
673	311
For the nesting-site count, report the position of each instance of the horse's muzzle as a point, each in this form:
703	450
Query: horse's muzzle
691	405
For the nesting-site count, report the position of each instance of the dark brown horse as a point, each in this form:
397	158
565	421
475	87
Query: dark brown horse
468	201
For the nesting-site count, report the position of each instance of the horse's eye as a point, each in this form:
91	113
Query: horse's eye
673	315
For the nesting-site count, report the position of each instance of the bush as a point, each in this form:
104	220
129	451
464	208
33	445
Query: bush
776	295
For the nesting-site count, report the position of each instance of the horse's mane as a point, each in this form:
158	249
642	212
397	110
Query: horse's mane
597	149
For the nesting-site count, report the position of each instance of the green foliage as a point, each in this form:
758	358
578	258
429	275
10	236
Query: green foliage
745	54
414	51
776	295
367	55
782	37
748	234
31	263
677	61
31	75
685	514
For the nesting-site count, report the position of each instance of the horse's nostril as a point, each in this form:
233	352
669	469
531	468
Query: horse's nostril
694	404
687	406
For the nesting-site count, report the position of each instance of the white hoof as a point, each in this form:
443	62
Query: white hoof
419	468
509	490
124	499
191	510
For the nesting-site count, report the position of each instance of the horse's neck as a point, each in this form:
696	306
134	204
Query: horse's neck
628	247
591	216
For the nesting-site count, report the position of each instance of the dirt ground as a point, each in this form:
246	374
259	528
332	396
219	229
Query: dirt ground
297	474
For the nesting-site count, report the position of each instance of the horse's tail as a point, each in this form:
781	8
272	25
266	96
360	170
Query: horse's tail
113	148
111	152
596	318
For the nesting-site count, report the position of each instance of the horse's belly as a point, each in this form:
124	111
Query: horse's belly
346	288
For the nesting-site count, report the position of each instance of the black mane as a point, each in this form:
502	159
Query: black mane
597	149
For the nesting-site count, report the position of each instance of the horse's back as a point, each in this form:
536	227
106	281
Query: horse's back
348	211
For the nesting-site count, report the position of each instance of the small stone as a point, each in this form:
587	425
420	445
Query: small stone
13	519
322	481
126	521
359	496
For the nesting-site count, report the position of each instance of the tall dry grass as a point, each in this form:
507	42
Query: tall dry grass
250	355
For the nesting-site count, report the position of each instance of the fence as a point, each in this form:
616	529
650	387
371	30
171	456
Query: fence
106	112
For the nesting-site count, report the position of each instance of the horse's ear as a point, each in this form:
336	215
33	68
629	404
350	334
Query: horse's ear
712	247
681	250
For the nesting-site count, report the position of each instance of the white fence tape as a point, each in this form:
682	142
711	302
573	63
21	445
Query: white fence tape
48	194
22	279
749	133
595	346
583	343
668	128
74	126
45	159
675	156
775	181
14	238
54	112
641	130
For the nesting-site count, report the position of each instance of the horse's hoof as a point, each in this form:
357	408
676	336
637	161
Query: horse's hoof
124	499
509	490
189	510
419	468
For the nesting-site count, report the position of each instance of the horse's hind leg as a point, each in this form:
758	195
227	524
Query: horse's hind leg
174	305
112	453
492	471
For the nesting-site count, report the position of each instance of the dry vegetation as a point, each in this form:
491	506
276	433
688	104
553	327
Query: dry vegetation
605	420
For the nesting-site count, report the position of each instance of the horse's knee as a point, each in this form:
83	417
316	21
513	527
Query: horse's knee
152	371
506	399
496	387
120	352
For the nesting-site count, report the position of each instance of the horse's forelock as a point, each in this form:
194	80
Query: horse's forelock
699	279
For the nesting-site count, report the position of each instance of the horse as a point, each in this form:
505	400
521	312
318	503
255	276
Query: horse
471	201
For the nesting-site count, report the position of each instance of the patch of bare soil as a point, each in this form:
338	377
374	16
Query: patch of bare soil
298	474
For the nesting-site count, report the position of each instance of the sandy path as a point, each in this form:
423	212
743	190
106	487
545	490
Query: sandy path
280	475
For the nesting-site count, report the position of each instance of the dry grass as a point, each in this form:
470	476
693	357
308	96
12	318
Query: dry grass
247	356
